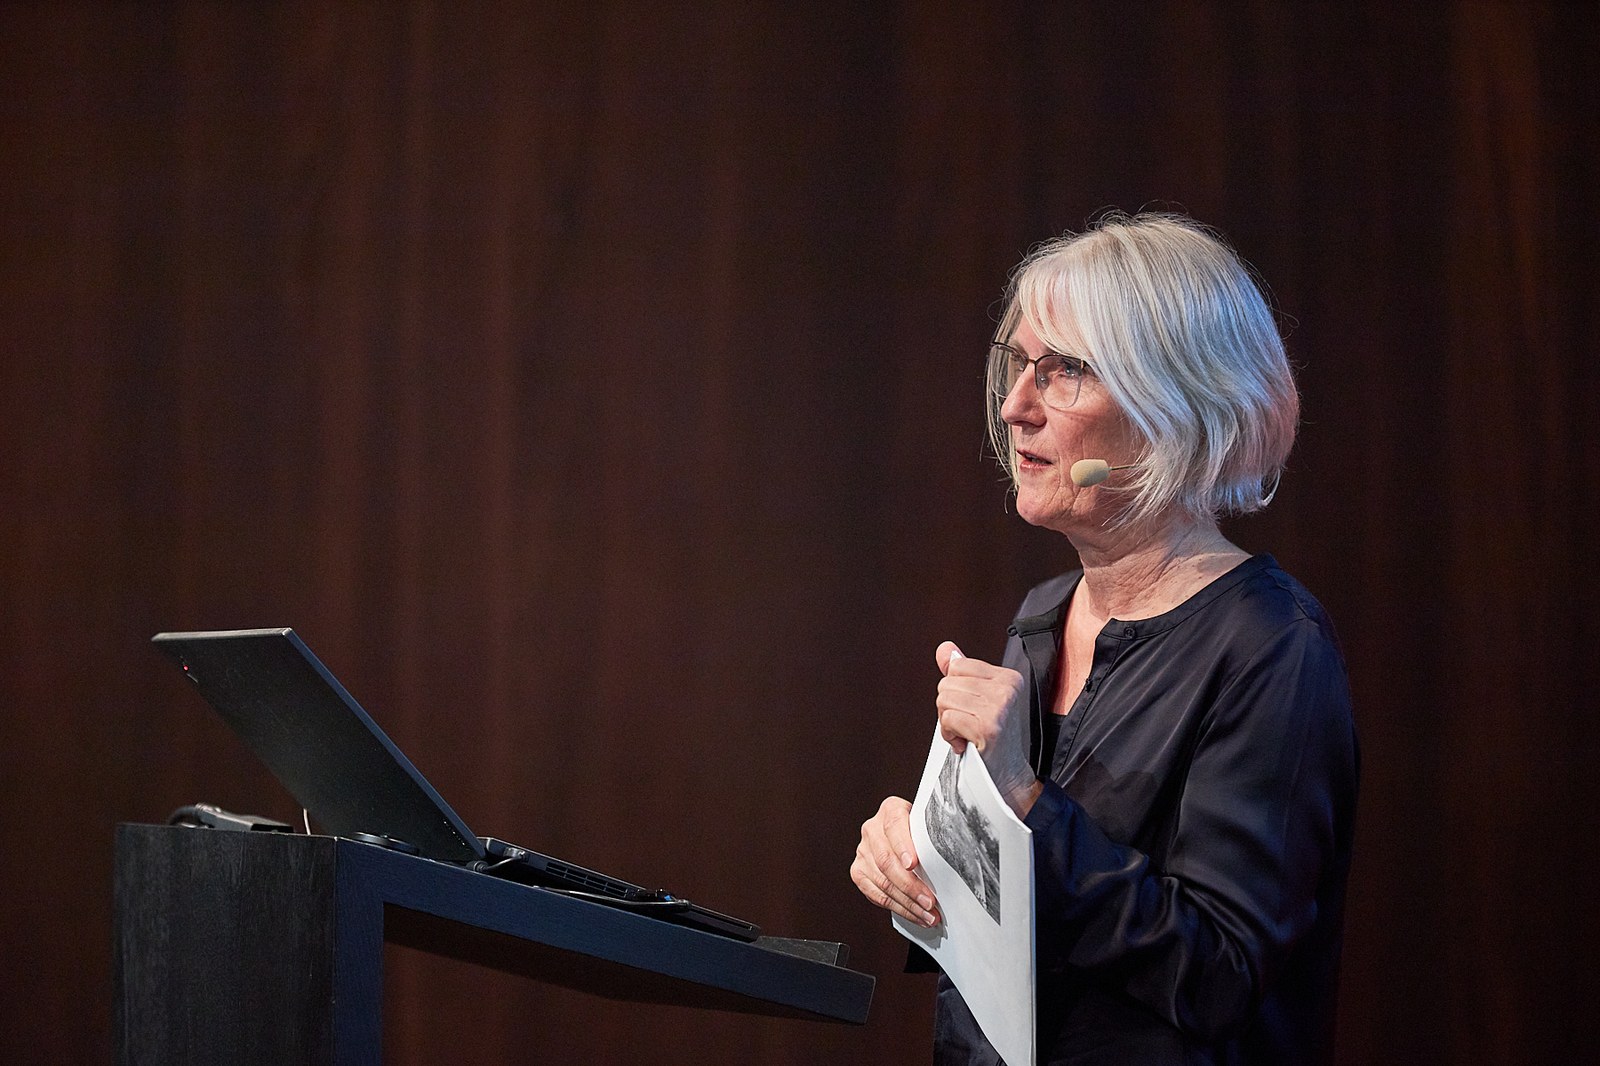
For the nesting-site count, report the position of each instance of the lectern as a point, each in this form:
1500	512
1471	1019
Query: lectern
251	948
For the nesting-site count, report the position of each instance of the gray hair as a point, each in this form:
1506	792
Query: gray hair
1184	342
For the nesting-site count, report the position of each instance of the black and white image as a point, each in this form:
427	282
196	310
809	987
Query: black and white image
964	838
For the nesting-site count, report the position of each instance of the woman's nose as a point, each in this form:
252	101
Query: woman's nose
1021	406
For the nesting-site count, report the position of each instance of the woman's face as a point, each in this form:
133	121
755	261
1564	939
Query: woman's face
1049	440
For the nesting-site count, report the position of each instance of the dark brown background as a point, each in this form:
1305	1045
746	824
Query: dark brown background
596	388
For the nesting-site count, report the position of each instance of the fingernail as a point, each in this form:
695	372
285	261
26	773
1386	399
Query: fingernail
906	860
926	903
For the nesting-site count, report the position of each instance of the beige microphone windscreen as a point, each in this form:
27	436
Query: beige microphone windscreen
1086	472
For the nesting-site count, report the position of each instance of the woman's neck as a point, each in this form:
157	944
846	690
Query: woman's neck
1142	572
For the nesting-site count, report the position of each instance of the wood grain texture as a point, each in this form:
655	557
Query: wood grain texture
596	388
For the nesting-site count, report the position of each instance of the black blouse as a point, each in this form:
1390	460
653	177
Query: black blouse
1193	839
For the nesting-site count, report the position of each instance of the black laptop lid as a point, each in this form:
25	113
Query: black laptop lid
316	739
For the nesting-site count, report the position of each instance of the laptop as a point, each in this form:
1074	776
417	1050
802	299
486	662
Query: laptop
310	732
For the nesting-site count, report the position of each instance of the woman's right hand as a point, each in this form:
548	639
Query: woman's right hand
886	863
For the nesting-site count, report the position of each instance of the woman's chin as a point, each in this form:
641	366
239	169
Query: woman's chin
1060	512
1037	512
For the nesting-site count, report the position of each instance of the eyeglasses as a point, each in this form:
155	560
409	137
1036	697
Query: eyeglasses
1057	377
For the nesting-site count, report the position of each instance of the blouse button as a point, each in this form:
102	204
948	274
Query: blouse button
1127	631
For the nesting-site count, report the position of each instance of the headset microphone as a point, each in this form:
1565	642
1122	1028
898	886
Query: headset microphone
1087	472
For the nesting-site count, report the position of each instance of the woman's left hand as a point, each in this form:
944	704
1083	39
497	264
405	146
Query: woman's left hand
987	706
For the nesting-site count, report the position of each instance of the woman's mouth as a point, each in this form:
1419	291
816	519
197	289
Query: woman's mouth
1031	460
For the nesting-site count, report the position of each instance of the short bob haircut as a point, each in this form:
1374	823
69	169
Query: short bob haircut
1183	340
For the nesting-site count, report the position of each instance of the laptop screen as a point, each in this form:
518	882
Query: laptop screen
331	756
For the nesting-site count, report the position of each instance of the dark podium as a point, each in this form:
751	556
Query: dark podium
245	947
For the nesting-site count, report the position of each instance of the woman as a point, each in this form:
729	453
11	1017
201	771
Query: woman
1172	720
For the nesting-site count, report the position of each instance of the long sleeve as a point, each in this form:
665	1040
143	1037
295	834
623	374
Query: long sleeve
1249	835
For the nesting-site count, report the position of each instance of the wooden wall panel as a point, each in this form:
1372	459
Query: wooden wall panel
596	388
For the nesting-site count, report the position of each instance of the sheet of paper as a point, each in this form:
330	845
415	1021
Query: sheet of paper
977	856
